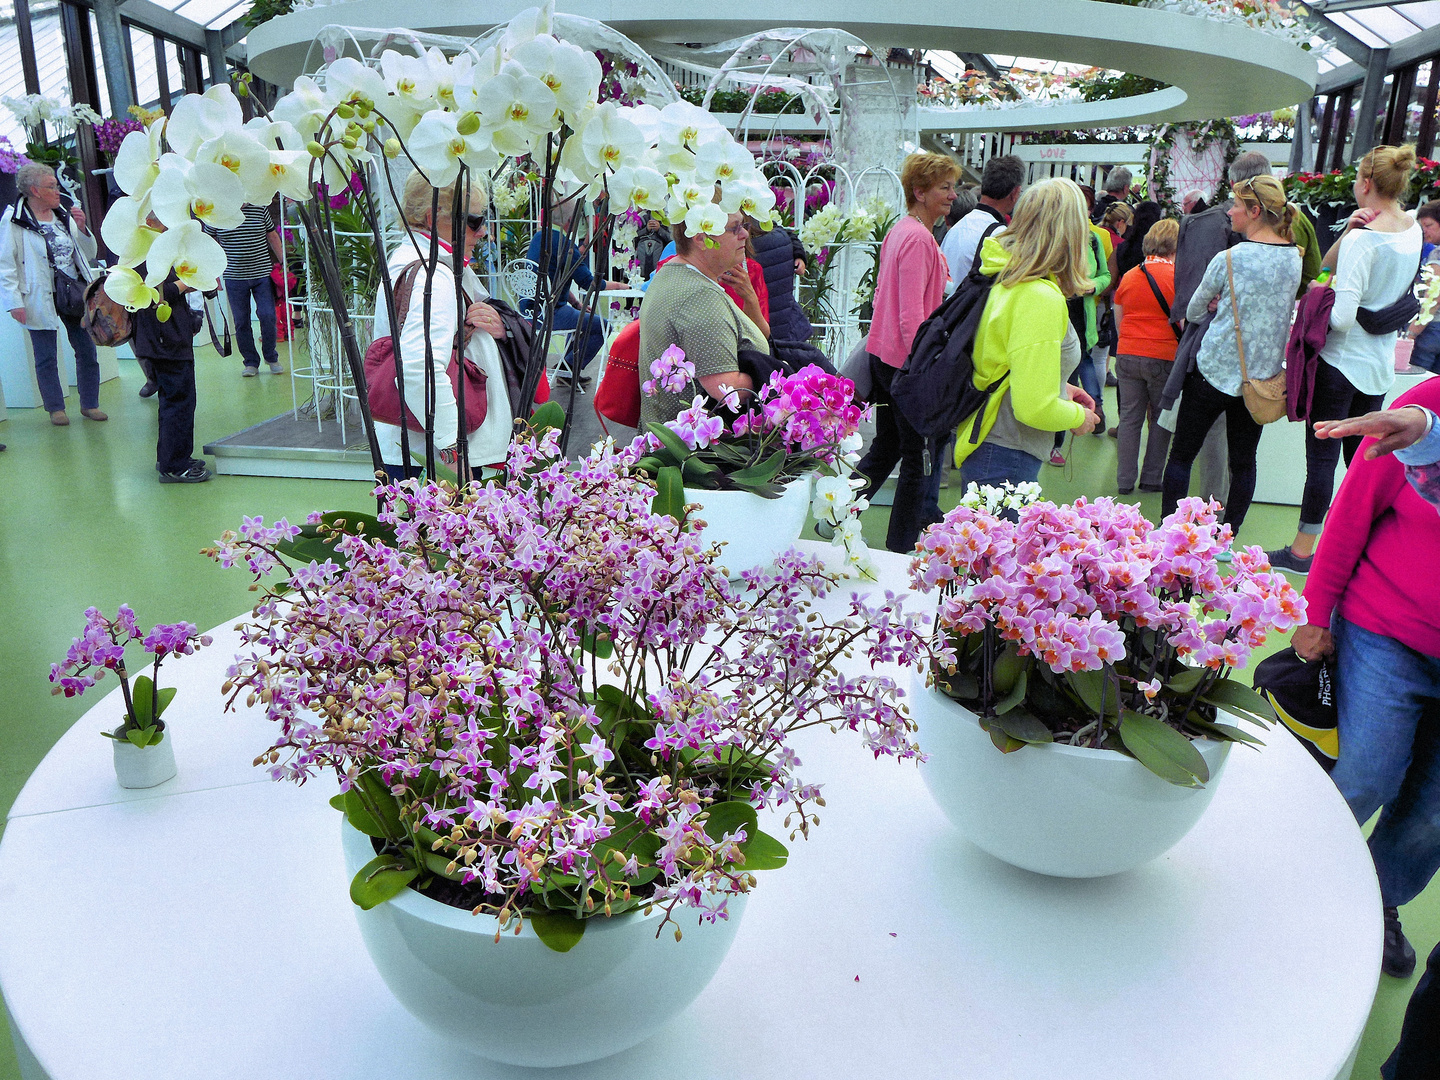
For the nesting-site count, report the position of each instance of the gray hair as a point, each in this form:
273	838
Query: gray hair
1118	182
966	200
415	200
1249	165
30	175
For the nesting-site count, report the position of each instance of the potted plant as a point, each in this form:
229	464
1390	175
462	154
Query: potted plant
144	757
750	476
555	725
1081	709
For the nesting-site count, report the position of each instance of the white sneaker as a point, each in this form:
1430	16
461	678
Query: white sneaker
275	368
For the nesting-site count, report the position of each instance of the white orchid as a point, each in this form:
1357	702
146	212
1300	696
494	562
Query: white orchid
684	124
571	73
289	174
526	26
641	187
833	494
200	118
412	82
246	157
209	193
750	196
456	81
125	232
517	109
706	218
128	289
347	79
439	149
722	159
137	161
611	140
274	134
646	118
198	261
305	107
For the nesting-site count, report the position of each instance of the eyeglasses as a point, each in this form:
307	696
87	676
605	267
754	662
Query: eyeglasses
475	222
737	229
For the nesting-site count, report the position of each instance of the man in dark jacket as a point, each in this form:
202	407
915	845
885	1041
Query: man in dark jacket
169	349
779	253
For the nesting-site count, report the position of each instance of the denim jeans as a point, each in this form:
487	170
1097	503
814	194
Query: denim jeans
174	449
1388	697
896	442
996	465
46	344
1200	406
589	339
1426	353
1335	399
1418	1051
239	291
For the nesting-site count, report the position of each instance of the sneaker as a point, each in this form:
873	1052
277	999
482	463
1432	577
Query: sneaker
1225	556
1110	380
94	414
1152	488
149	390
275	368
1057	458
195	474
1399	956
1114	432
250	372
1100	426
1285	559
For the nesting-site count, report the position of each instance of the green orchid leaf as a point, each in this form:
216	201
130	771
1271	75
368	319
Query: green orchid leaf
761	473
338	801
360	818
669	494
558	930
143	737
1229	694
601	645
379	880
727	817
386	808
1087	685
650	464
547	416
1221	732
962	686
1015	696
1003	742
696	471
764	852
438	864
1009	666
167	695
1187	680
1023	727
142	699
1163	750
670	440
358	523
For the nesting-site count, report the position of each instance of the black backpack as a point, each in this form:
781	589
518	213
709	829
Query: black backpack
935	390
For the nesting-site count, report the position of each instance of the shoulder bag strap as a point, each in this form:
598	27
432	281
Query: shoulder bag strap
979	246
1155	288
1235	313
403	289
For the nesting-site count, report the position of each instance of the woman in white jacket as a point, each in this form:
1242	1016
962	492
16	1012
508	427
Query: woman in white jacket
487	443
37	239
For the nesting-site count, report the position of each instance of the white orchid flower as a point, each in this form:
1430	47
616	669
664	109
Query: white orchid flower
566	69
198	118
526	26
245	156
610	140
347	79
412	82
305	107
125	232
685	124
209	193
137	160
290	174
456	81
639	187
439	149
646	118
833	494
706	218
128	289
517	108
274	134
198	261
721	158
751	196
575	168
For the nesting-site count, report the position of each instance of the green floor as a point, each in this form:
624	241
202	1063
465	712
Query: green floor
85	523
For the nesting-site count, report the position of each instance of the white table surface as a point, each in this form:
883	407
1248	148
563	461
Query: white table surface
622	294
203	929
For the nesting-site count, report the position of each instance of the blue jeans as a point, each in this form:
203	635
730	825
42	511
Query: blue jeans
239	291
589	339
1419	1047
46	344
996	465
1426	353
1388	696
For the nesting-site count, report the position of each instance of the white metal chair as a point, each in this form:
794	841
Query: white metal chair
521	279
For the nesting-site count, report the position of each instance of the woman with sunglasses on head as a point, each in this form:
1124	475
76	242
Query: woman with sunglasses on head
488	442
1375	262
1255	280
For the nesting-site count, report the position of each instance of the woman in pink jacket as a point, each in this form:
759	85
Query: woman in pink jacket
909	287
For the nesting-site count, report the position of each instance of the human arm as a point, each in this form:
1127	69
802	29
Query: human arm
481	316
914	268
738	279
717	385
1033	346
1352	277
1358	220
1207	290
1409	432
10	295
86	246
277	246
1304	235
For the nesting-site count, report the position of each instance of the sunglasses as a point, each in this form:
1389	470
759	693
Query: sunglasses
475	222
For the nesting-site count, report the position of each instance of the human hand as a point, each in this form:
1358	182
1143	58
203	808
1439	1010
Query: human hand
1089	424
18	314
1393	429
1312	643
481	316
1362	217
1077	394
739	279
79	216
1214	305
800	267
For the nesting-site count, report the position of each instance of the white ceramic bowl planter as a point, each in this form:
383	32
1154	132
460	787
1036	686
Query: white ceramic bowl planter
144	767
519	1002
754	530
1067	811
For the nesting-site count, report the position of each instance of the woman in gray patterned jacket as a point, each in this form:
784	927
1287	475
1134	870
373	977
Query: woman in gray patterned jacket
1266	277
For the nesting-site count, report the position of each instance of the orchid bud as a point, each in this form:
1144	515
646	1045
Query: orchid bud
468	124
392	148
363	108
242	90
316	150
368	127
348	142
344	111
162	314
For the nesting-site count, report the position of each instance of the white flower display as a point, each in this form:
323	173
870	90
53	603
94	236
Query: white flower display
529	92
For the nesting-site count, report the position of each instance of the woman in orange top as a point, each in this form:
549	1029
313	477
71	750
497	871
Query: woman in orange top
1144	356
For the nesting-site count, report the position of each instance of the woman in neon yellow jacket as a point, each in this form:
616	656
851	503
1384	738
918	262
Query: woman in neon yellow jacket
1025	330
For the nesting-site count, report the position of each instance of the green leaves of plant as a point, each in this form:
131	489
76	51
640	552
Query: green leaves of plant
761	851
557	930
142	697
1089	686
549	415
672	442
1021	726
1237	697
1163	750
1187	680
143	737
379	880
669	494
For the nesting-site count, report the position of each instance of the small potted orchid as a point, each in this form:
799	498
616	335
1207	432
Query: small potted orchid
1082	709
750	475
144	757
563	739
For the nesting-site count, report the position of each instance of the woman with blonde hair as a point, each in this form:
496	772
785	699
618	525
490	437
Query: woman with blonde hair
1257	280
1375	263
1026	338
487	443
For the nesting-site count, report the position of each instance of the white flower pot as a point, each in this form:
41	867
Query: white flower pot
144	767
754	530
1066	811
519	1002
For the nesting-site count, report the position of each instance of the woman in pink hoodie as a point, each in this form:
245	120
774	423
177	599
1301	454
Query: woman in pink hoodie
909	287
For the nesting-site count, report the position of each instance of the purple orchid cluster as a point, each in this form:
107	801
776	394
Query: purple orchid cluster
101	648
11	160
813	412
545	695
111	133
1105	602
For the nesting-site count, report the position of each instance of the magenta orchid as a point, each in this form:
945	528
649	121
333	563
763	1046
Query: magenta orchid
544	701
1087	624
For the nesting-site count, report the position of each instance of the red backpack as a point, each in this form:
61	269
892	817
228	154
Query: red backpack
617	397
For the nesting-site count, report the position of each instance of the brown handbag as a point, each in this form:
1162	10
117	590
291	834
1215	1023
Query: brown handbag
1265	398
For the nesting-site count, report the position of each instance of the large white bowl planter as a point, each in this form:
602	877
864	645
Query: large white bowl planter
144	766
521	1003
754	530
1067	811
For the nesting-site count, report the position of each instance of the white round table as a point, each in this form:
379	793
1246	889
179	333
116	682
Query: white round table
203	929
